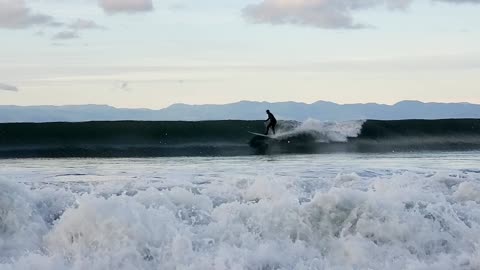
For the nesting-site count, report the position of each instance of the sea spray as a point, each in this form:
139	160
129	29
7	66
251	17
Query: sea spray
322	131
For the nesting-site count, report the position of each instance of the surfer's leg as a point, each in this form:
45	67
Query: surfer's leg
273	128
268	127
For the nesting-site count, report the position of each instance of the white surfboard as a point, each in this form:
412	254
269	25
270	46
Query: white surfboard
262	135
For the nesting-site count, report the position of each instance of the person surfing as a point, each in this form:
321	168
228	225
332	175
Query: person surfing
272	122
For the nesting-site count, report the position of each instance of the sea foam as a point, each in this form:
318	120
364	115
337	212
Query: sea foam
380	219
322	131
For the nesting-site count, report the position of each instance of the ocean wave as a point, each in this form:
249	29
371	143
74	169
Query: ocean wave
232	138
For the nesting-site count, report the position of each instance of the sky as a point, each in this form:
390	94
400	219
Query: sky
154	53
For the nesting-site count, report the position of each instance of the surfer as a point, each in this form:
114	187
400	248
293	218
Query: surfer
272	123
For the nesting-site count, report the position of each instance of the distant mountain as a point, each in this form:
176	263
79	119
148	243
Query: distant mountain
244	110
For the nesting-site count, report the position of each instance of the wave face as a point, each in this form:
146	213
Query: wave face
231	138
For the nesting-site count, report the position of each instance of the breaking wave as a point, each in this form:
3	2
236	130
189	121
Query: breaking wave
404	221
232	138
321	131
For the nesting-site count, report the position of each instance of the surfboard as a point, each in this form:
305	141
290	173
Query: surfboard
262	135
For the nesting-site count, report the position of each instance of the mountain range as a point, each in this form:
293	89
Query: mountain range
243	110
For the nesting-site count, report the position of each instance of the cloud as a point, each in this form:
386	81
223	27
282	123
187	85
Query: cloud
122	86
14	14
7	87
329	14
73	29
128	6
82	24
66	35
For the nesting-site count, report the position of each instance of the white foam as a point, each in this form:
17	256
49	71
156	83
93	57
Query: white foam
344	180
323	131
21	224
250	219
468	191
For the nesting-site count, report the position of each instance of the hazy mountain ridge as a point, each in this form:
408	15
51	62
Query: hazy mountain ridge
243	110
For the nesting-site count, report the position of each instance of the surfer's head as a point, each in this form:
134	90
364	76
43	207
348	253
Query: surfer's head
268	111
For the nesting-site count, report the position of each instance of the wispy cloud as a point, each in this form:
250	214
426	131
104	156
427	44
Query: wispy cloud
14	14
329	14
73	29
82	24
8	87
66	35
128	6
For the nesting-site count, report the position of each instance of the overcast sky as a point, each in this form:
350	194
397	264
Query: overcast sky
152	53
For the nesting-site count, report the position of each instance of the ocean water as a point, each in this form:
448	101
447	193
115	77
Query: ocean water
329	211
128	139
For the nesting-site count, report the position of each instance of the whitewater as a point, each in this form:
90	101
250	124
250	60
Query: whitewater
339	211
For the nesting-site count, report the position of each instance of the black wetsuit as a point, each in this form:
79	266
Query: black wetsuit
272	123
